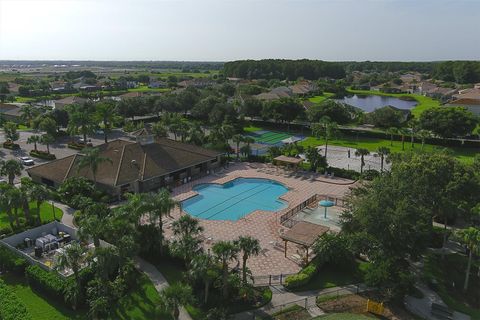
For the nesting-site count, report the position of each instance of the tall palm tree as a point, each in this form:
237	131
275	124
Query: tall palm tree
325	128
413	126
34	139
392	131
175	296
72	258
159	130
403	132
186	226
225	251
362	153
249	247
6	204
105	112
423	135
238	138
28	113
157	205
383	152
471	238
196	134
39	194
92	159
47	140
203	267
83	120
11	168
187	242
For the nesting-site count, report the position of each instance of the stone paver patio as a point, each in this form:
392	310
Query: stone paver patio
263	225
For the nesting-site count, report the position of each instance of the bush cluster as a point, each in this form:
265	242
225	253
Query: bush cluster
42	155
10	261
11	146
12	308
303	277
48	282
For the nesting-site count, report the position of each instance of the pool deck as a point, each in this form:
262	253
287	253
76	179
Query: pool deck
263	225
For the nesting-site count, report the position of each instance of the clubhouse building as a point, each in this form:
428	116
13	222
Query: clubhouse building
142	166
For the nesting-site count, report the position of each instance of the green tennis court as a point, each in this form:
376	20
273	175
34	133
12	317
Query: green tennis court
269	137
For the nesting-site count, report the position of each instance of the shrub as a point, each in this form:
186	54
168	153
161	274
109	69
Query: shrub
76	146
42	155
344	173
11	146
12	308
5	230
10	261
48	282
303	277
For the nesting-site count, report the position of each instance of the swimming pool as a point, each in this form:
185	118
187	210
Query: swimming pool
235	199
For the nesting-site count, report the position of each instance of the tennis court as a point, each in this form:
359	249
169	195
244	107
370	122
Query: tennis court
269	137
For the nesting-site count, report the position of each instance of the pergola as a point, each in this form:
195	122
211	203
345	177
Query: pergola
287	161
305	234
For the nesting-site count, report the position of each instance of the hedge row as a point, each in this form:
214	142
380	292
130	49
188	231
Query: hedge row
11	146
11	307
10	261
49	282
77	146
42	155
303	277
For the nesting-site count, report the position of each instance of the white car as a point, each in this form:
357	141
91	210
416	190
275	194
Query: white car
26	161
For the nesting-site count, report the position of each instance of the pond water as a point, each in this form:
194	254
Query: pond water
371	102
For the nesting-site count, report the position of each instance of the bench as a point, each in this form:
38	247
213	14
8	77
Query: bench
441	312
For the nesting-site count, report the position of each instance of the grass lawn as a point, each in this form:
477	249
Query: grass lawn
452	270
252	129
140	304
343	316
38	306
147	89
321	98
424	103
46	214
331	276
372	144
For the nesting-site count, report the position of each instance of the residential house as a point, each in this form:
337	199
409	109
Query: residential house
472	105
156	84
62	103
142	166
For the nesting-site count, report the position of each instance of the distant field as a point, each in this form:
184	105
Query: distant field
424	103
321	98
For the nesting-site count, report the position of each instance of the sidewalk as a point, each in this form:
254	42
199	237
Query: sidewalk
305	299
158	281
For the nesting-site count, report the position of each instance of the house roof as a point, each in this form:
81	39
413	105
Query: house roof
472	93
466	101
304	233
129	161
70	100
10	109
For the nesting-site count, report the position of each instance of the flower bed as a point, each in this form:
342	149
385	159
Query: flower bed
42	155
11	146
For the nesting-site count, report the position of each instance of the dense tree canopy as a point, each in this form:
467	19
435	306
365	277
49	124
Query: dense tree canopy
449	122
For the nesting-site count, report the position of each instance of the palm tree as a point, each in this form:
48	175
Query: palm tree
91	227
225	251
34	139
325	128
362	153
238	138
47	140
27	113
11	168
186	244
105	112
39	194
186	226
203	267
250	247
72	258
196	134
392	131
158	205
159	130
402	132
413	126
83	120
175	296
471	238
383	152
91	158
423	135
6	203
248	140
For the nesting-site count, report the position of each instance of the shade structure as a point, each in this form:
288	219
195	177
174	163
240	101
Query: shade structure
326	204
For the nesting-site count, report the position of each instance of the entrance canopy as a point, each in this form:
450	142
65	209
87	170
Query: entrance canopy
304	233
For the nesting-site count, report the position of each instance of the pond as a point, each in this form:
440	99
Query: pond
369	103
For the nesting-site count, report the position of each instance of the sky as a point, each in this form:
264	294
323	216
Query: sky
225	30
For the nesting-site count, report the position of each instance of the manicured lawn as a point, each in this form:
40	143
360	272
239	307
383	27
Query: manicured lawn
321	98
141	303
449	271
252	129
372	144
343	316
332	276
424	103
38	305
147	89
46	214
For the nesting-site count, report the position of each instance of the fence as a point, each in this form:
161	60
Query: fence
269	280
287	219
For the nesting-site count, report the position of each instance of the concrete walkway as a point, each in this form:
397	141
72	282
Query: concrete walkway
68	212
306	299
158	281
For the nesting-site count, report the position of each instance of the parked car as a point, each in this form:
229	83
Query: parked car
26	161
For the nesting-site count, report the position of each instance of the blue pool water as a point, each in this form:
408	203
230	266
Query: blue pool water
235	199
